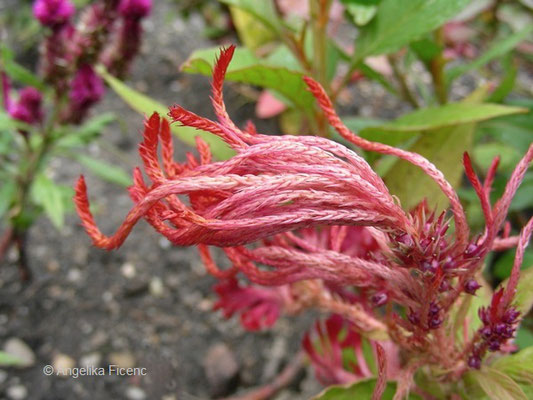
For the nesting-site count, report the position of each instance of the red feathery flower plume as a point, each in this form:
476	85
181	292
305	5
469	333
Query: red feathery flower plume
325	224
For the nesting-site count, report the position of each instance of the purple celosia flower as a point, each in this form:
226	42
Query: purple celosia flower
86	89
135	8
53	13
28	108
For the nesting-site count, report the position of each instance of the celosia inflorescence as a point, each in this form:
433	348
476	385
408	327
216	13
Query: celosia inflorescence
330	232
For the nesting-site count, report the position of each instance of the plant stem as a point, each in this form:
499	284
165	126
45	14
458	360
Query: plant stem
402	82
6	241
319	15
436	67
287	375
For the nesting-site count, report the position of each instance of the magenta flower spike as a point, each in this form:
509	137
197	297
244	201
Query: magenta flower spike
28	108
135	9
86	89
53	13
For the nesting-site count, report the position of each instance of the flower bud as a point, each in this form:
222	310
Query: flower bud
511	315
53	13
135	8
471	286
474	362
28	108
379	299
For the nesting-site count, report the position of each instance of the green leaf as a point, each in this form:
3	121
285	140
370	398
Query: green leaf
8	360
86	133
104	170
446	116
361	14
17	72
447	132
484	153
426	49
524	337
146	105
7	191
48	195
518	366
264	11
247	68
497	385
498	49
507	83
399	22
252	34
361	390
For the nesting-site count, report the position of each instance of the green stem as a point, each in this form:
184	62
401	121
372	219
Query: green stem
319	15
436	68
400	77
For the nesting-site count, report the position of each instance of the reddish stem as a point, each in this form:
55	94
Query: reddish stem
6	241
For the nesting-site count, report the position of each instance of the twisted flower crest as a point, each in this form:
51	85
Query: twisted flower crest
309	218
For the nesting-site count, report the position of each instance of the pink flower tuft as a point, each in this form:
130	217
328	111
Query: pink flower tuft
53	13
259	308
28	108
86	89
135	8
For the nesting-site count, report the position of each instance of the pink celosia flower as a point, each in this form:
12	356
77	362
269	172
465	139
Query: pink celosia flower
53	13
86	89
126	43
28	108
329	345
308	204
258	307
135	8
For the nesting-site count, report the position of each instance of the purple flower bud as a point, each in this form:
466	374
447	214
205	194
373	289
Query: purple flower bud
135	8
486	332
430	266
471	286
511	315
435	322
494	345
474	362
379	299
471	250
405	239
413	318
444	286
500	328
434	308
53	13
509	332
28	108
87	87
449	263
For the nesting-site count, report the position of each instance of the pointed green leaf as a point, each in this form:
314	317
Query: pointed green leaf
104	170
85	134
498	49
497	385
146	105
7	191
264	11
399	22
247	68
518	366
447	115
47	194
17	72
